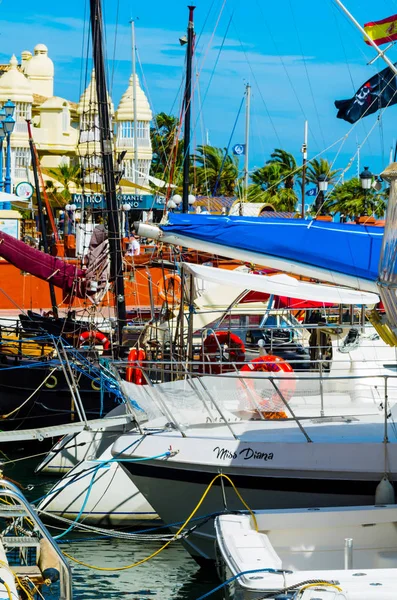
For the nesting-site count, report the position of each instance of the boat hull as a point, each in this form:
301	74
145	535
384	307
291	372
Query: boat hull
295	475
50	404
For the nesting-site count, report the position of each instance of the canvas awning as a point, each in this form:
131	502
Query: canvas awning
282	285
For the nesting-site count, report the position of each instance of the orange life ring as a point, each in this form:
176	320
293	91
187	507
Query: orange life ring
97	335
133	372
215	342
170	288
273	407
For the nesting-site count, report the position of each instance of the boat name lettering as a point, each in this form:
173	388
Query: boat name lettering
224	453
246	454
249	453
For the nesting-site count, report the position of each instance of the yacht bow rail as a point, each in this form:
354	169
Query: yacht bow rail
189	399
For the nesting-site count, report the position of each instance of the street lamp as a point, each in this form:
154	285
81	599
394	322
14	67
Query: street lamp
9	108
171	204
191	199
126	208
8	125
177	199
366	183
322	183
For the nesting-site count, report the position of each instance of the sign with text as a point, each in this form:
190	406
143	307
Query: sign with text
136	201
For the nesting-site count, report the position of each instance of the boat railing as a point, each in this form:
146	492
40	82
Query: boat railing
20	504
228	398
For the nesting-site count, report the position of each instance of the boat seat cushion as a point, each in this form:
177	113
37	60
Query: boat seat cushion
253	550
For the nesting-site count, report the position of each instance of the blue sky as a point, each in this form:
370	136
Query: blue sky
298	56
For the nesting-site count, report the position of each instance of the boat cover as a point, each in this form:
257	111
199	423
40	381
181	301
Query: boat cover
352	250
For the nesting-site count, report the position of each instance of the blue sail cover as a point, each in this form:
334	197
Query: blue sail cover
352	250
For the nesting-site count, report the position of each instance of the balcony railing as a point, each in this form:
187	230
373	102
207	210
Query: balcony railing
128	142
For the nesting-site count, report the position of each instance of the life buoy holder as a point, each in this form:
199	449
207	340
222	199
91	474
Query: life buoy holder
272	407
96	335
51	382
133	372
220	348
170	289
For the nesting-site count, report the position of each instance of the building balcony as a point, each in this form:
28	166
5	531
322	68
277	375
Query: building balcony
124	142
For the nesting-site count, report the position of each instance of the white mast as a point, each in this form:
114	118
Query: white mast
367	37
247	137
134	102
304	153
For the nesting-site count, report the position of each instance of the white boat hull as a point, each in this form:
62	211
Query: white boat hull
98	493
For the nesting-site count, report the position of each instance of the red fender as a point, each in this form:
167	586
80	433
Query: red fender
215	340
97	335
133	372
274	407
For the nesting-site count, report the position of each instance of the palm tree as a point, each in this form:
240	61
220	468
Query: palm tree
287	163
66	174
267	187
349	198
215	171
166	146
318	167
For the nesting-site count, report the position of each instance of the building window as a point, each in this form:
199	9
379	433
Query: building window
65	118
143	129
23	111
22	158
127	129
143	169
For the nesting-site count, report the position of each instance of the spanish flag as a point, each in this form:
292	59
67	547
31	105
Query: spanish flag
382	32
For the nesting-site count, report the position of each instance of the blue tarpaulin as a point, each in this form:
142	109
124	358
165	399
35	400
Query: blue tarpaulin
352	250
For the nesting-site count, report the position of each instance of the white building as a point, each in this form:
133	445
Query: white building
56	121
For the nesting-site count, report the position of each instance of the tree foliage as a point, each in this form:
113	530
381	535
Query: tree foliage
350	199
215	171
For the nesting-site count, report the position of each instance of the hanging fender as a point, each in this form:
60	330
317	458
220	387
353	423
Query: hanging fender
273	407
170	289
97	335
133	372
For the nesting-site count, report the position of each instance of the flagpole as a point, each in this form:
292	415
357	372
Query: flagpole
304	152
367	37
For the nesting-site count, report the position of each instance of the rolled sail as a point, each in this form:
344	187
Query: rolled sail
49	268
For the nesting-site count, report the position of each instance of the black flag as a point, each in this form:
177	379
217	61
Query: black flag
378	92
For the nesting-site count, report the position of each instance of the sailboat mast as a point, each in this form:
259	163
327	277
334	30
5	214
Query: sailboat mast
116	264
134	101
188	107
42	226
304	153
247	138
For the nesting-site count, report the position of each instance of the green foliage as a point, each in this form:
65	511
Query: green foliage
350	199
65	174
318	167
215	171
272	182
166	146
